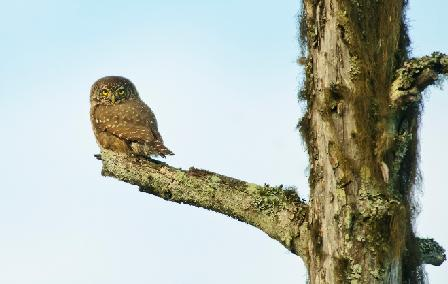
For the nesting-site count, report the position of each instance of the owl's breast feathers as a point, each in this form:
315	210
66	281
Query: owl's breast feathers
129	127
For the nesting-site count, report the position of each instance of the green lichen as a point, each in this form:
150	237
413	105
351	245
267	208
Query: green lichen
373	204
215	179
355	69
377	273
355	273
360	238
340	194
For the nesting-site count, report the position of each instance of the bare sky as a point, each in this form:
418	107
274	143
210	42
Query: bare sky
222	80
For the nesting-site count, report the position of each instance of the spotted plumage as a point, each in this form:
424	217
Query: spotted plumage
121	121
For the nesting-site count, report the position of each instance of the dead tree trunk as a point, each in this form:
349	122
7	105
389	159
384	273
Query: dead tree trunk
360	128
361	131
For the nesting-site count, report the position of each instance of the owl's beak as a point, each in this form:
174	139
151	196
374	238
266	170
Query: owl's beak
113	98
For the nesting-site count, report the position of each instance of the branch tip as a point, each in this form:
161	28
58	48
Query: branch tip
415	76
431	252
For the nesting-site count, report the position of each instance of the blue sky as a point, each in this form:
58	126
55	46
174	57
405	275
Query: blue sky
222	79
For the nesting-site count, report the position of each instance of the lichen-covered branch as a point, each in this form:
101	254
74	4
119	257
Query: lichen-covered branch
278	212
431	252
415	76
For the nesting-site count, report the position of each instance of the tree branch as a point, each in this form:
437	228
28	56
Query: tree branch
415	76
278	212
431	252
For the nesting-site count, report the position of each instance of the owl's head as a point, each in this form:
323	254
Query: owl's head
112	90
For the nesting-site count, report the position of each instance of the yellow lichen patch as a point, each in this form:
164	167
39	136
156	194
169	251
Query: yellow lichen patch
355	274
355	69
340	194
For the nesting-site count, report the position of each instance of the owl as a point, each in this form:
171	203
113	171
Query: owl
121	121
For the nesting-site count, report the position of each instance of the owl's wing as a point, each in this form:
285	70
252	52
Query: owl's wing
125	123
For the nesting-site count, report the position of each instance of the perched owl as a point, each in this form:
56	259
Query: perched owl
121	121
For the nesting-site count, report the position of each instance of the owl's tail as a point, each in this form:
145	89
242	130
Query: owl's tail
156	148
161	149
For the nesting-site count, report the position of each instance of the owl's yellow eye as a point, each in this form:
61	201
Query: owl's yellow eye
105	92
121	92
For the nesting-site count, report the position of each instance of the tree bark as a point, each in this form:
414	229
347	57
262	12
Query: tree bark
361	132
360	127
